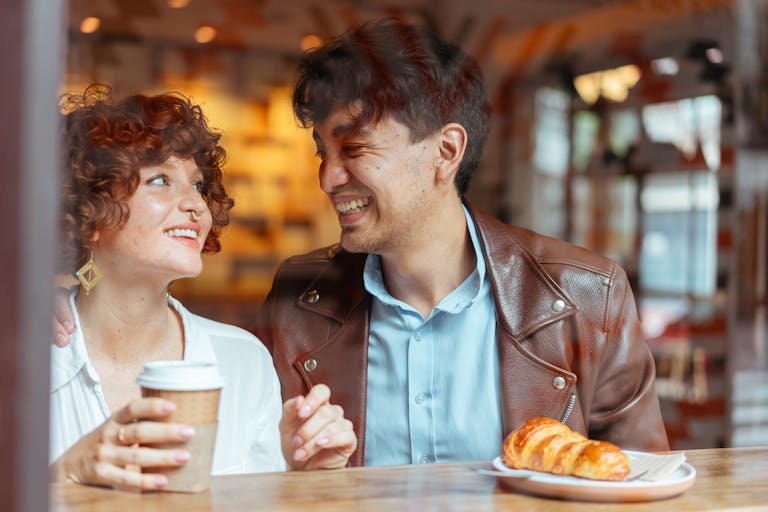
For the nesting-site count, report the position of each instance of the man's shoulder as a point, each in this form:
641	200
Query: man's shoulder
319	260
320	256
553	251
330	268
545	250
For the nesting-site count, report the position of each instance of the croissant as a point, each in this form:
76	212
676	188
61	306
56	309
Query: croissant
543	444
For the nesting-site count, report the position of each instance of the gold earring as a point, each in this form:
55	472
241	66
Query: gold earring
89	274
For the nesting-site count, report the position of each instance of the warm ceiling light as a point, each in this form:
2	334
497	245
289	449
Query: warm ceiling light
90	25
178	4
205	34
612	84
310	42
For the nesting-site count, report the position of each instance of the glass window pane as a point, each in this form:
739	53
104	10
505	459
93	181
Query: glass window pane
550	154
678	253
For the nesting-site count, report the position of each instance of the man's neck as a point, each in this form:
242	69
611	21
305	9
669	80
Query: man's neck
425	272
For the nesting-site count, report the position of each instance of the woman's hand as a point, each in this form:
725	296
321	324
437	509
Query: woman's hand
112	454
314	433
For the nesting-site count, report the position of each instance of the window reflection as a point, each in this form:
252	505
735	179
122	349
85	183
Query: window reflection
678	251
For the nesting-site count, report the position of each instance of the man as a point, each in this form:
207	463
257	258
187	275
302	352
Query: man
437	328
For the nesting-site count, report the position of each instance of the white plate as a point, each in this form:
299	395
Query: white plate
574	488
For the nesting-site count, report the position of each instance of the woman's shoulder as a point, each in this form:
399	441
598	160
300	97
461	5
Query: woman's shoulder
218	333
216	328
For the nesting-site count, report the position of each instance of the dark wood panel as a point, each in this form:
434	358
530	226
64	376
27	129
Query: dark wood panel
10	156
31	37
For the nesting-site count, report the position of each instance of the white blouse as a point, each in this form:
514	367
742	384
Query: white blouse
248	438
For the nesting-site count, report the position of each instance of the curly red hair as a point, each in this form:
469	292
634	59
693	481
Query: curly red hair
106	143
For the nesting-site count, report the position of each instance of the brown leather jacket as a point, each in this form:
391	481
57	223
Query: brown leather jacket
570	342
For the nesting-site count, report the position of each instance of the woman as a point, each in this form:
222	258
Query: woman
143	197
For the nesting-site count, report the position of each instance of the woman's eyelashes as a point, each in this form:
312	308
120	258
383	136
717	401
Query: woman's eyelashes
158	181
162	180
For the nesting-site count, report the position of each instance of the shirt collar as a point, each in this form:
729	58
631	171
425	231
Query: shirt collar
458	300
196	346
67	362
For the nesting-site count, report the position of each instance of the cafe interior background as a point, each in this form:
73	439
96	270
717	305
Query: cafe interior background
636	128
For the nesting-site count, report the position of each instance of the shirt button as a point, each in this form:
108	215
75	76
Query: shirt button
313	296
558	306
420	398
558	383
426	459
419	336
310	365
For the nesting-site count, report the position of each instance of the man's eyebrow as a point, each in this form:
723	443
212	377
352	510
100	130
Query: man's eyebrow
341	130
346	129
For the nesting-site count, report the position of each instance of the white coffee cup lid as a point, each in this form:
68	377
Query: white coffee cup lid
180	376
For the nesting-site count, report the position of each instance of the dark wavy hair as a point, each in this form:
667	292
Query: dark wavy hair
106	143
401	70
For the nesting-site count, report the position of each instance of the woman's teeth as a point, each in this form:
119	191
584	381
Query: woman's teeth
185	233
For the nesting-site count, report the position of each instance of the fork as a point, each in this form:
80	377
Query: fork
637	476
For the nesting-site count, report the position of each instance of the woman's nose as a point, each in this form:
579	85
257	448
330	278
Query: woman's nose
193	202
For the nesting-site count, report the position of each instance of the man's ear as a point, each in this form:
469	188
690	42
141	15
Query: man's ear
452	140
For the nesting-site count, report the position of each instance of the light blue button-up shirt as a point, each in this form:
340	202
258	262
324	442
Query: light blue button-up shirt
433	383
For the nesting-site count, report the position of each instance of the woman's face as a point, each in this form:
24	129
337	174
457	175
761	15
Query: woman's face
166	230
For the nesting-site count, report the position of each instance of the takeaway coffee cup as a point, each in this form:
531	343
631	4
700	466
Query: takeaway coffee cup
195	388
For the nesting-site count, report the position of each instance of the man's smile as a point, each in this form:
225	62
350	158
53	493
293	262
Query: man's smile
352	207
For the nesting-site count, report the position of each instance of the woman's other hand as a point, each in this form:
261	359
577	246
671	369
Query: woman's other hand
114	454
314	432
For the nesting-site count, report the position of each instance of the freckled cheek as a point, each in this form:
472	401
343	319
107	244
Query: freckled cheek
206	229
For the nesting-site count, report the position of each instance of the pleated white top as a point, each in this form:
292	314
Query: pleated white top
247	440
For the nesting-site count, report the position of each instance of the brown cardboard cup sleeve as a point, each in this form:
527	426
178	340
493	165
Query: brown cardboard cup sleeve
195	388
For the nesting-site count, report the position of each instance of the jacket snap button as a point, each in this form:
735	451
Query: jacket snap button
558	306
310	364
558	383
313	296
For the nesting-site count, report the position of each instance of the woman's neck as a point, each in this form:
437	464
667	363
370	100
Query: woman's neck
129	324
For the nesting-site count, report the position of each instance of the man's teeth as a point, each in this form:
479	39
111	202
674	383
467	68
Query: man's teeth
352	206
186	233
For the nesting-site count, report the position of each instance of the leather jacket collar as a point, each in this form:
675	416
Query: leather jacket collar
527	301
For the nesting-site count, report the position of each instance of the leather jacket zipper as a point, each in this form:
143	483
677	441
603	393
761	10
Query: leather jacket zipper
568	408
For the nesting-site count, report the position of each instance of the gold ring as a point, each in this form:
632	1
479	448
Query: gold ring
121	435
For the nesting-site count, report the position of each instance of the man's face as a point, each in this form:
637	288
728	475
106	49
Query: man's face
379	182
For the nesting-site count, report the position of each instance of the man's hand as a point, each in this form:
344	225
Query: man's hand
63	322
314	433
